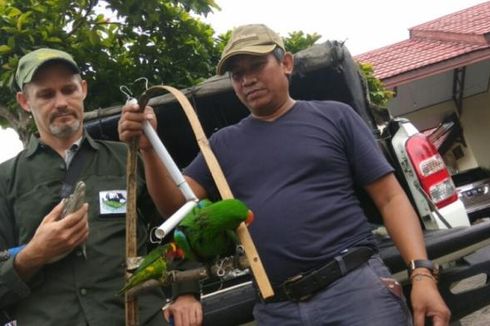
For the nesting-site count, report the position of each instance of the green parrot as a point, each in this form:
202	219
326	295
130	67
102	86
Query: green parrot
205	233
153	266
208	231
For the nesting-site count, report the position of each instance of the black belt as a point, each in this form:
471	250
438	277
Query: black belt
303	286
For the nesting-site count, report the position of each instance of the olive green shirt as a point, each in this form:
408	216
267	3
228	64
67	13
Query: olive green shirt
75	290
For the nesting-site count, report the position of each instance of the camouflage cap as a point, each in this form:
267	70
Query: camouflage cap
30	63
254	39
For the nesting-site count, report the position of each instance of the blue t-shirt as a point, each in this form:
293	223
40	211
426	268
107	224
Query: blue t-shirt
297	174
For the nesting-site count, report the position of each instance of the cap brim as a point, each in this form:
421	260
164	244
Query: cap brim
251	50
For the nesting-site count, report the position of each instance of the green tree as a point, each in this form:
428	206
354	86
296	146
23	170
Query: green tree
297	41
114	42
378	94
294	42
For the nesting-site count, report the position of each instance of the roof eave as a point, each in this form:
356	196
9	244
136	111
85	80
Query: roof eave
437	68
442	36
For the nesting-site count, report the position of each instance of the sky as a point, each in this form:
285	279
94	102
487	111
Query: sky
363	25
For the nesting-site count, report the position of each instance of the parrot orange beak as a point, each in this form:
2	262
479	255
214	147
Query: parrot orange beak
250	218
179	253
175	252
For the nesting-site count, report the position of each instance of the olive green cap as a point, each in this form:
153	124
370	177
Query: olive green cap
32	61
254	39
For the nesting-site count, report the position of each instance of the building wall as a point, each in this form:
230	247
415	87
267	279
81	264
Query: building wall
475	121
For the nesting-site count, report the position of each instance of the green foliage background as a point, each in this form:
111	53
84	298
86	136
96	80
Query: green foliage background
114	42
379	95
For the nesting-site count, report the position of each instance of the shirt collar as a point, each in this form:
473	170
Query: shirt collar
35	144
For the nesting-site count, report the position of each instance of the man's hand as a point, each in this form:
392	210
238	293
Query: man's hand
53	237
185	311
427	302
131	124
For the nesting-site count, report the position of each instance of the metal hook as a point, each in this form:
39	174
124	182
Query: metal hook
126	91
153	238
142	78
220	270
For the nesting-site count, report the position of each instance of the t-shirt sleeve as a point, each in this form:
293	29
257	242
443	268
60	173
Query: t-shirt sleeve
366	159
198	170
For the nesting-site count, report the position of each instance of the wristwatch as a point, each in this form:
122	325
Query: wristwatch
424	263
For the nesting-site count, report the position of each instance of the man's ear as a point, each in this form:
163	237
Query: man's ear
288	63
84	88
22	100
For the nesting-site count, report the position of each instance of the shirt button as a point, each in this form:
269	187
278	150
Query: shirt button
83	291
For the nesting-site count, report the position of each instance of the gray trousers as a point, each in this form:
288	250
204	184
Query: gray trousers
362	297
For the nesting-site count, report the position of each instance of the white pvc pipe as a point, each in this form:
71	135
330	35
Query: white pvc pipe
174	220
192	201
167	160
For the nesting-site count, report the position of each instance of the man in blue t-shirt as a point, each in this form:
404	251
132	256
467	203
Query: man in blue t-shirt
295	164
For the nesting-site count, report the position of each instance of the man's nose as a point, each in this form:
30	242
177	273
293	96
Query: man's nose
248	78
60	100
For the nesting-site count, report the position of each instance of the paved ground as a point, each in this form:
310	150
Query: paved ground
478	318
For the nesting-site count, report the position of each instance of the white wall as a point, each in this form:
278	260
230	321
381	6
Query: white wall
475	119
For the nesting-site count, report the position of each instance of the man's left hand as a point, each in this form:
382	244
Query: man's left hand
427	302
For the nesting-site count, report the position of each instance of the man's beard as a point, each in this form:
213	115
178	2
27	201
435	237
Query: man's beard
65	130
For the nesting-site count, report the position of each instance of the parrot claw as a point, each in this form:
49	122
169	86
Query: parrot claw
240	250
132	263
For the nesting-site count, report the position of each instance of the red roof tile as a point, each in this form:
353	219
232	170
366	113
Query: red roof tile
414	54
474	20
464	34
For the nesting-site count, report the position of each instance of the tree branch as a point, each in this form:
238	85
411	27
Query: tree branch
80	22
9	116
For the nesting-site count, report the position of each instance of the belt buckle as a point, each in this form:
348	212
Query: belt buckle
289	293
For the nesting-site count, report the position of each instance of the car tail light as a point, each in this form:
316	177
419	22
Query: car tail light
431	170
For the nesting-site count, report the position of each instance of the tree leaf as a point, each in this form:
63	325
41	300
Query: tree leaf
54	39
39	8
22	19
5	49
13	12
11	42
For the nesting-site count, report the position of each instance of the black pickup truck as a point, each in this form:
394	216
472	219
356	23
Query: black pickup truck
328	72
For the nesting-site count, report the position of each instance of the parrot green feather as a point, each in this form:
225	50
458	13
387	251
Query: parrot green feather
209	230
153	266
